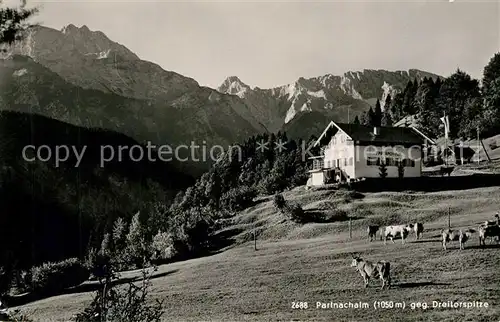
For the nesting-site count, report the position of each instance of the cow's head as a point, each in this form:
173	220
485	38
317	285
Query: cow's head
355	260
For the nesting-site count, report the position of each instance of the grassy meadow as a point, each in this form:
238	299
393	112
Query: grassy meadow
310	263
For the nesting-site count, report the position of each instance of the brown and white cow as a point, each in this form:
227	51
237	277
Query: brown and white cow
367	269
495	222
395	231
462	236
418	228
488	231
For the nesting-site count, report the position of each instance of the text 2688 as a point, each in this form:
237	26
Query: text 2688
299	305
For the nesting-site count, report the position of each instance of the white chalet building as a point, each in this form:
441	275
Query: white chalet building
353	151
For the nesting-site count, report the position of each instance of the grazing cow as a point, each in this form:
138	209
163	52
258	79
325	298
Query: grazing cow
418	228
495	222
372	232
462	236
367	269
465	235
488	231
395	231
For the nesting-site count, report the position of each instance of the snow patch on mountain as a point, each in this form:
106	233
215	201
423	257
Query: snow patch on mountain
318	94
101	54
327	81
290	114
290	90
20	72
306	107
348	88
404	73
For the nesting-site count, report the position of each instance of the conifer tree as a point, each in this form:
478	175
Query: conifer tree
13	22
377	121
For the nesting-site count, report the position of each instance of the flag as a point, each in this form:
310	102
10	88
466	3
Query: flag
446	122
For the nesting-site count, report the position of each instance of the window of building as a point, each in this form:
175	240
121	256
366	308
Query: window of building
345	161
317	164
409	163
372	161
390	162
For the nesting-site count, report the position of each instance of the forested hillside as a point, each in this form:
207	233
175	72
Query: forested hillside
468	103
57	212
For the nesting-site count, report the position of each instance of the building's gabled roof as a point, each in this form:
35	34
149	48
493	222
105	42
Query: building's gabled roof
431	141
407	121
365	134
411	121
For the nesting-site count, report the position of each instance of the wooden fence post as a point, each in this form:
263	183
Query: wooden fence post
254	239
449	217
350	228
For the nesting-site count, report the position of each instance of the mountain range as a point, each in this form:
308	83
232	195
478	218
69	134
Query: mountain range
81	77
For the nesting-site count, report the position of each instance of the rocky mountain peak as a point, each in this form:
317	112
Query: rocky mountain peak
234	86
71	28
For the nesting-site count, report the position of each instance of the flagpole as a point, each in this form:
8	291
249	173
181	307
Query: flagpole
478	147
445	140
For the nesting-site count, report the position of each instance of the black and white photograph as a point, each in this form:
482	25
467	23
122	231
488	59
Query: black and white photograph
287	160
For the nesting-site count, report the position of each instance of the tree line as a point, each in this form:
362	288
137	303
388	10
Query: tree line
470	104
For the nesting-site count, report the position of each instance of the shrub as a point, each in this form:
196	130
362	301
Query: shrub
106	249
279	202
54	277
353	195
401	170
297	214
113	303
382	170
14	315
336	215
271	184
137	251
192	231
22	282
118	254
238	199
5	280
163	247
292	211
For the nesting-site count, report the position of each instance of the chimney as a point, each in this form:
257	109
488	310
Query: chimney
376	130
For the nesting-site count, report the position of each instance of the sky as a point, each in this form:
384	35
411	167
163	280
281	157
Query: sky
268	44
